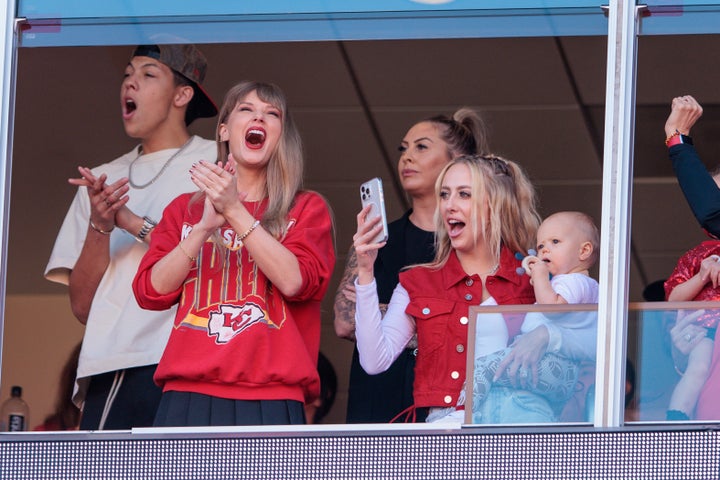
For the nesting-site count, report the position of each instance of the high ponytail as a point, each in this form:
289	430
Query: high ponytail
464	133
477	128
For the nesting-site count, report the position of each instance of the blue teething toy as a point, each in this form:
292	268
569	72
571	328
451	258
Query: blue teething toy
532	255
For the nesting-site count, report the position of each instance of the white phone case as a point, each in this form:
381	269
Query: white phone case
371	193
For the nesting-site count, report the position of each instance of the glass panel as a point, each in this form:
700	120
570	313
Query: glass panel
525	89
208	26
558	388
141	8
665	228
342	94
672	362
663	17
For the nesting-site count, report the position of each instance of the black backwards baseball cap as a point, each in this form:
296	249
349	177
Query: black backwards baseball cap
191	64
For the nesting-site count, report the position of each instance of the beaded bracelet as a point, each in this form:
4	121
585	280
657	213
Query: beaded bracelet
678	140
100	230
676	133
249	230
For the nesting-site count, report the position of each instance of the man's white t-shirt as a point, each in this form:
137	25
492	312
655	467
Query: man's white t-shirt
119	334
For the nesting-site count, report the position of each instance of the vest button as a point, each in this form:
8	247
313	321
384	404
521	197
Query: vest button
425	311
464	320
468	297
460	348
448	399
469	282
455	375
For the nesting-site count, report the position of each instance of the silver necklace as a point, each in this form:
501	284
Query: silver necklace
157	175
493	270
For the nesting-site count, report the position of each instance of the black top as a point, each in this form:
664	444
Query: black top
379	398
407	245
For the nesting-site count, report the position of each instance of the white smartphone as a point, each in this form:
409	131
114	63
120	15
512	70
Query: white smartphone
371	193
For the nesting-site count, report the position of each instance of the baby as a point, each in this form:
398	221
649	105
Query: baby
567	247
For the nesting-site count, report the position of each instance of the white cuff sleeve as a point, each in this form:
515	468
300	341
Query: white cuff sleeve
380	340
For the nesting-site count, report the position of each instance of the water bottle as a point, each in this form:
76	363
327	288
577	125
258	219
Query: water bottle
15	413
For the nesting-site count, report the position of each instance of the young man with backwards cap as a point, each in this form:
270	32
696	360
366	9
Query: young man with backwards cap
108	227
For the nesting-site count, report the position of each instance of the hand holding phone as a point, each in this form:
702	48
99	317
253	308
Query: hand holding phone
371	193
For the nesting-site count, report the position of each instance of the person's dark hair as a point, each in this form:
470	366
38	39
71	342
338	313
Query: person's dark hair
464	133
328	387
630	382
66	415
654	292
179	80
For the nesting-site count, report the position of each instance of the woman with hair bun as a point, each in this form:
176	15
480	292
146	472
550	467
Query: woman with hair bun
425	149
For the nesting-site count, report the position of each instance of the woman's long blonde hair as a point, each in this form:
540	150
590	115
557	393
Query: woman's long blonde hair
284	171
512	218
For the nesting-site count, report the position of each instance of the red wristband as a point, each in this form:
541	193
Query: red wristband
674	137
673	140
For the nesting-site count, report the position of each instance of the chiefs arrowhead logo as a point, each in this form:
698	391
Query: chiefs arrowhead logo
230	320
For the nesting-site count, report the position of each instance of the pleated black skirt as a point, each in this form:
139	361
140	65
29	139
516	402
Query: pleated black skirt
187	409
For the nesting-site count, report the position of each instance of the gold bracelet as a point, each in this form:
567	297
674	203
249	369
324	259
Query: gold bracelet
100	230
249	230
190	257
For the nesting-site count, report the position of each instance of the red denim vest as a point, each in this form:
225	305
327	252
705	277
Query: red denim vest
439	302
